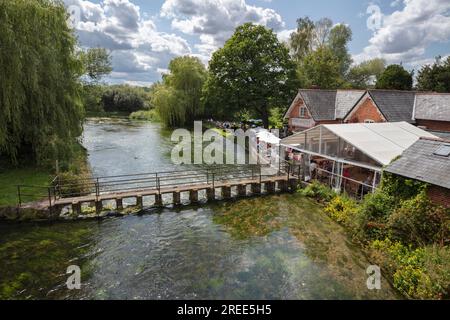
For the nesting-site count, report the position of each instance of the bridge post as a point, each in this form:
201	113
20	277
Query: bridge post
76	207
193	195
270	187
119	204
293	183
176	198
226	192
242	190
158	200
256	188
283	185
139	201
98	206
211	194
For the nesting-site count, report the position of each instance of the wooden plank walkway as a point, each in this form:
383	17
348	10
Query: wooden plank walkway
142	192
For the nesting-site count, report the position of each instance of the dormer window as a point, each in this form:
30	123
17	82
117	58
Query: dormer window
302	112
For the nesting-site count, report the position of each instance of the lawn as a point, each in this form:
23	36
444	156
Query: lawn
11	177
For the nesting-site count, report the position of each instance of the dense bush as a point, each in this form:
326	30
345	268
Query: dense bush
374	212
344	210
421	273
122	99
418	221
149	115
317	191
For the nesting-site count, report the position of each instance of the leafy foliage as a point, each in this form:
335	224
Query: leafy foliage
395	77
318	191
122	99
96	63
252	71
421	273
435	77
344	210
40	104
321	52
320	68
365	74
177	99
418	221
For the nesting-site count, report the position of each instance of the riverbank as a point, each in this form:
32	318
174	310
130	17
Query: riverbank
403	233
37	178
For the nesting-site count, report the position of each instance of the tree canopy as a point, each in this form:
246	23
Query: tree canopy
365	74
177	98
395	77
252	71
96	63
435	77
40	109
320	50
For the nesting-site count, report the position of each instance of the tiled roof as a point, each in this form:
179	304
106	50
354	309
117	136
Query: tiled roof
395	105
345	100
320	103
432	106
419	162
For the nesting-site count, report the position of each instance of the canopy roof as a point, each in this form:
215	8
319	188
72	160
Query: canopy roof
381	142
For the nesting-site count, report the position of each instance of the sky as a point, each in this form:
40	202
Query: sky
144	35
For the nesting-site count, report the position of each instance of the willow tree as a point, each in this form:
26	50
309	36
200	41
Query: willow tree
177	99
40	109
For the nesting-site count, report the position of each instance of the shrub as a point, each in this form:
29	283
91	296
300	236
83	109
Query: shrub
402	188
418	221
344	210
373	214
148	115
317	191
421	273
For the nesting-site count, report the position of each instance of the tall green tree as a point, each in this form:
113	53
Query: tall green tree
96	63
313	44
365	74
338	39
40	107
395	77
252	71
435	77
320	68
177	99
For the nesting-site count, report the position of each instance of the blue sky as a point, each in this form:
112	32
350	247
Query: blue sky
144	35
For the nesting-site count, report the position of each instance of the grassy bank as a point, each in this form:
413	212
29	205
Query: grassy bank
30	175
11	177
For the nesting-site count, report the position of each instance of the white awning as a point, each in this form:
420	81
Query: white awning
382	142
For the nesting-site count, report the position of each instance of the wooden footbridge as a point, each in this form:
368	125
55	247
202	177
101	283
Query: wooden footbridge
75	193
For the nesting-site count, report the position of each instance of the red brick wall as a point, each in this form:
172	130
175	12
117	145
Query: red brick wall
434	125
366	110
439	195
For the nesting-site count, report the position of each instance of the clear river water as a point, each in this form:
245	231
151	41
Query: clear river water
271	247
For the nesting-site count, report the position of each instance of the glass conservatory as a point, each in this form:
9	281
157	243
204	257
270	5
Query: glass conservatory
350	156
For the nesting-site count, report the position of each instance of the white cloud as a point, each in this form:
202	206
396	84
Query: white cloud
214	21
138	49
406	33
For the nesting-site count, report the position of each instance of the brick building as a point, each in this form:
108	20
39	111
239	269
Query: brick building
432	111
312	107
427	160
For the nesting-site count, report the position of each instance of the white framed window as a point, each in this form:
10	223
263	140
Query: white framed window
369	121
302	112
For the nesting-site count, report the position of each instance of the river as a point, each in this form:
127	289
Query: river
271	247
